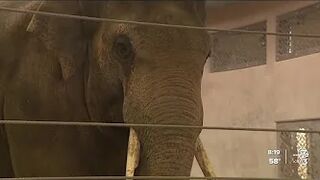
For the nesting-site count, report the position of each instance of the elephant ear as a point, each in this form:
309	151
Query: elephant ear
64	38
5	163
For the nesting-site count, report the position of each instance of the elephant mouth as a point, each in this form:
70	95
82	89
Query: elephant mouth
133	156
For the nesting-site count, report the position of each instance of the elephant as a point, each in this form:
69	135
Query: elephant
63	69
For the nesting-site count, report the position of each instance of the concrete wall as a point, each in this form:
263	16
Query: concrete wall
255	97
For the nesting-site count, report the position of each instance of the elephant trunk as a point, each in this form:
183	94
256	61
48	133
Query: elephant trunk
172	100
168	153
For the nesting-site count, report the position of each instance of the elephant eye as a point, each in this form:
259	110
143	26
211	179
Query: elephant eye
122	47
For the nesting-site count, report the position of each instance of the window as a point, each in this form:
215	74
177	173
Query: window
238	50
302	154
302	21
302	145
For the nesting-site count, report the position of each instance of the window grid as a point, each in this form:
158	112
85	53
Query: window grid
232	50
305	20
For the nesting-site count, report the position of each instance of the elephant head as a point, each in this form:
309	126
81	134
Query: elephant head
137	73
160	71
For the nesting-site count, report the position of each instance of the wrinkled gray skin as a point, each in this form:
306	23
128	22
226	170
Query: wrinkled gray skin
73	70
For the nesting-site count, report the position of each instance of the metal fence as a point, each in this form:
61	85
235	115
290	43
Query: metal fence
258	31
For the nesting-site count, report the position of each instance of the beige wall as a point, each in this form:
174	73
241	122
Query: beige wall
255	97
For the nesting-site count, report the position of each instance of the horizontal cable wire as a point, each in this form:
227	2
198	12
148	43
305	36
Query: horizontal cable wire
142	178
97	19
102	124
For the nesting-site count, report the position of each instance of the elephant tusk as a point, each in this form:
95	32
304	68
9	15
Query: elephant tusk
133	153
203	160
31	25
